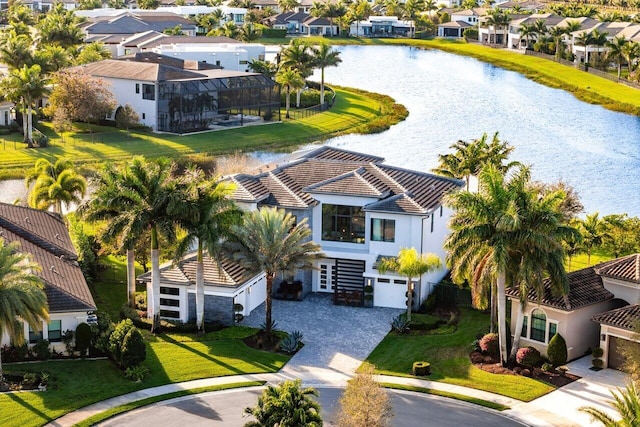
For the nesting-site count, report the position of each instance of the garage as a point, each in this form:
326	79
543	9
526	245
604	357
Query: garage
619	328
616	359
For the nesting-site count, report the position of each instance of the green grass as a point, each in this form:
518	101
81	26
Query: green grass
449	358
353	111
586	87
581	261
102	416
469	399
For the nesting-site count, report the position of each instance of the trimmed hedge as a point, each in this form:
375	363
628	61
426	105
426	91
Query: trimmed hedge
271	33
557	350
421	369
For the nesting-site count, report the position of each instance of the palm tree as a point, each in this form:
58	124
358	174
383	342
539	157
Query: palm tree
584	39
22	297
359	11
540	28
24	86
55	184
287	404
631	54
598	39
410	265
616	51
297	55
526	31
206	213
324	56
626	403
291	80
334	10
269	240
318	9
591	229
248	33
487	229
557	33
16	49
287	5
261	66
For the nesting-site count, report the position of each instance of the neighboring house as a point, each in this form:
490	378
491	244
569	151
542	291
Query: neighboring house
382	26
454	29
7	113
229	14
359	210
627	30
45	237
313	26
470	16
178	96
601	294
290	21
125	23
526	5
495	34
516	41
225	284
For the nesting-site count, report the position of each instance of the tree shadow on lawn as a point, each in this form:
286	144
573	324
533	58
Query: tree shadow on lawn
17	398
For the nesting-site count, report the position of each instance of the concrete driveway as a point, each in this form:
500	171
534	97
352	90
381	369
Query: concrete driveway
336	338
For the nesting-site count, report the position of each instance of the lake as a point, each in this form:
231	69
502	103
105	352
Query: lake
452	97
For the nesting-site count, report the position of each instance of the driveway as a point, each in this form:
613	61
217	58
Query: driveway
336	338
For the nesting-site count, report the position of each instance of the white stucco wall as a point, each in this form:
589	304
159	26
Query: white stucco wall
124	92
622	290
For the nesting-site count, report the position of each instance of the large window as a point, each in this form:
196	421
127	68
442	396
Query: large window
148	92
343	223
383	230
553	328
34	337
55	331
538	325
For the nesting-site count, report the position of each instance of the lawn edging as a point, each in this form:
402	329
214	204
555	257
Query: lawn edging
110	413
469	399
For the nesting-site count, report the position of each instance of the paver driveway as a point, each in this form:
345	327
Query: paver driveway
337	338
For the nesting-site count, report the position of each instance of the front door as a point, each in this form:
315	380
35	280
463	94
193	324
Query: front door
327	277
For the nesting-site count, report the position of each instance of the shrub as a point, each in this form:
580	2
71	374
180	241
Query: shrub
117	339
528	356
421	369
42	350
100	334
597	352
141	301
547	367
490	344
67	339
289	344
12	353
136	373
83	338
400	324
557	350
133	350
597	363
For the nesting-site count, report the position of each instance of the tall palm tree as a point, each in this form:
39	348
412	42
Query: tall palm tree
526	31
598	39
557	34
591	229
616	51
267	68
16	50
291	80
297	55
584	39
206	213
631	55
332	11
486	231
626	403
269	240
22	297
359	11
324	56
540	28
55	184
411	265
25	86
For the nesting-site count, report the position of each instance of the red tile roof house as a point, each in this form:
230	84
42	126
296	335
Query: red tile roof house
45	237
359	210
606	294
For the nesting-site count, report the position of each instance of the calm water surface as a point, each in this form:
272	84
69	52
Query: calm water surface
451	97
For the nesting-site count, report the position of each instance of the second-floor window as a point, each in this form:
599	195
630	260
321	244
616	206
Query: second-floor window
148	92
383	230
341	223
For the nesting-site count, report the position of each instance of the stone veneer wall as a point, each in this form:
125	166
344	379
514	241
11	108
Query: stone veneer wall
216	309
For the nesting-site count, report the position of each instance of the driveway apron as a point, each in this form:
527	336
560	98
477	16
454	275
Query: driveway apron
336	338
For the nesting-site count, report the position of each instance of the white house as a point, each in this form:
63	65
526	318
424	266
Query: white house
382	26
359	210
44	236
516	41
180	96
225	284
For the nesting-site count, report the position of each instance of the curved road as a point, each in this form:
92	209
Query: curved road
224	408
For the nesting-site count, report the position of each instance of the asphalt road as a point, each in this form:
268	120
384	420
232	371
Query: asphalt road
225	409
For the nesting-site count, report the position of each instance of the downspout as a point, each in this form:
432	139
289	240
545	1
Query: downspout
419	294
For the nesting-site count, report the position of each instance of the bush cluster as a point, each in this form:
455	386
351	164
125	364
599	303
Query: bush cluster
528	356
126	345
490	344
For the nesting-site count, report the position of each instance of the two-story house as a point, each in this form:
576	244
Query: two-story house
359	210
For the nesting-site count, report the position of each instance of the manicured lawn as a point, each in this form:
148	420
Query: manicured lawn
580	261
353	111
448	355
170	358
474	400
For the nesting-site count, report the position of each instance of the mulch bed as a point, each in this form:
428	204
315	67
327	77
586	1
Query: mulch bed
488	364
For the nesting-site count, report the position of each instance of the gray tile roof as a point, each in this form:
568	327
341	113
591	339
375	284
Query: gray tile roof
329	170
585	288
226	274
132	23
45	237
626	268
624	318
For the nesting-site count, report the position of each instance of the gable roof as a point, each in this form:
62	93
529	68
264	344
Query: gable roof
227	273
329	170
585	288
624	318
132	23
626	268
45	237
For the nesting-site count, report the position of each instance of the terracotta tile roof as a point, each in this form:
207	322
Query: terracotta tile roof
227	274
329	170
626	268
624	318
585	288
65	285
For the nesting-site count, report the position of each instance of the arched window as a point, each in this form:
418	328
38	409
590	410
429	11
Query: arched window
538	325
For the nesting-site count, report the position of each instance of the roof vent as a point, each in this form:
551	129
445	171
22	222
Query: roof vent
53	269
27	220
432	187
58	236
